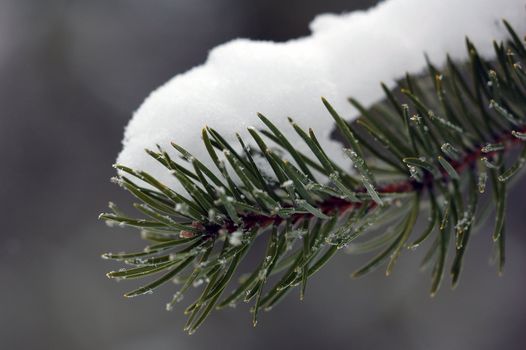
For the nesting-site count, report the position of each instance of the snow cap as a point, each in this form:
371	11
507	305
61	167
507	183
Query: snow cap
346	55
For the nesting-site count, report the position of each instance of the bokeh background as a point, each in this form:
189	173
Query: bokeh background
71	74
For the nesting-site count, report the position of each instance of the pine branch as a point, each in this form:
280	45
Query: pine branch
448	134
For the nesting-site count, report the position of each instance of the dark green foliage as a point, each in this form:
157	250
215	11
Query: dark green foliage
449	133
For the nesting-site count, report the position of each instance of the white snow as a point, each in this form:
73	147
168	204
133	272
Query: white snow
235	238
346	55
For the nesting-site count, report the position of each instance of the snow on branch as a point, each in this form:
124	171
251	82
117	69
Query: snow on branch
346	55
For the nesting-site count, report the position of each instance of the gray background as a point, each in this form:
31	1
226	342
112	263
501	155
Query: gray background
71	73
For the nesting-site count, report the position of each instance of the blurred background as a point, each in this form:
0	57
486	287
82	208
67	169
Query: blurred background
71	74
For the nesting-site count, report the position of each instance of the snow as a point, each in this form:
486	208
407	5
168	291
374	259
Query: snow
346	55
235	238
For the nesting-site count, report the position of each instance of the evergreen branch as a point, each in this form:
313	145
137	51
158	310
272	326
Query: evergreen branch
442	145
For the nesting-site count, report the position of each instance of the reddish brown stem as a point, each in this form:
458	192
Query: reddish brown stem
333	205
